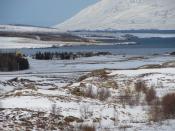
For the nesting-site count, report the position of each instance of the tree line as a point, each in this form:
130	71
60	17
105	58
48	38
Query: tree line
13	62
66	55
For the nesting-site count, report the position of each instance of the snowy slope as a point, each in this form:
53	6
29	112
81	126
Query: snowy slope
124	15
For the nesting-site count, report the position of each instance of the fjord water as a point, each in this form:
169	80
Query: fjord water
143	46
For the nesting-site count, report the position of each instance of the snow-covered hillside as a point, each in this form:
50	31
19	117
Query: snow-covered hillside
30	29
124	15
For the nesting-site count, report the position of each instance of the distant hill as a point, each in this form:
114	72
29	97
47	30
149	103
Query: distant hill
39	33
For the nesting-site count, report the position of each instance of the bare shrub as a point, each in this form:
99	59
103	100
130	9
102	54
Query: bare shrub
123	101
85	111
150	96
54	110
160	84
89	92
83	77
109	83
100	73
86	128
128	92
128	83
31	86
126	97
0	105
137	99
18	93
116	117
168	105
133	101
164	109
77	91
140	86
96	73
112	84
103	93
69	119
40	124
124	127
155	111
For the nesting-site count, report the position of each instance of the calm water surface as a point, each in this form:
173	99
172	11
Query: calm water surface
144	46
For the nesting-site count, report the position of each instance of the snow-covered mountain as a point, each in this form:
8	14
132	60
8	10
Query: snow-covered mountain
124	15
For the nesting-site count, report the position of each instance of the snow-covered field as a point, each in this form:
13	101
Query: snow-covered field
51	92
17	43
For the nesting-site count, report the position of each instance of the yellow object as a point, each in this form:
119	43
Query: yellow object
18	54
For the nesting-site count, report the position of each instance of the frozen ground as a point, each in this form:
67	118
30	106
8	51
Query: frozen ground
92	63
28	97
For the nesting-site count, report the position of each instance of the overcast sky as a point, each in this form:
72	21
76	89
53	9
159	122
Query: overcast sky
40	12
